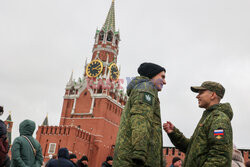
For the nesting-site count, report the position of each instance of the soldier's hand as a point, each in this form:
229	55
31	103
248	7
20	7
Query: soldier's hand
168	127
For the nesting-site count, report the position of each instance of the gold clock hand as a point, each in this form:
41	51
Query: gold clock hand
95	68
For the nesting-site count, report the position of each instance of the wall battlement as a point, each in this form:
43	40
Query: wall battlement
66	130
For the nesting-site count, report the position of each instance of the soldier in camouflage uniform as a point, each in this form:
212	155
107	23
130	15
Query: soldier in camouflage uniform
139	140
211	143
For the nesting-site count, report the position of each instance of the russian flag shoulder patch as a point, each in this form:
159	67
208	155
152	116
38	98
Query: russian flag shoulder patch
219	133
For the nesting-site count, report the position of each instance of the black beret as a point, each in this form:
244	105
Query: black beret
109	158
150	70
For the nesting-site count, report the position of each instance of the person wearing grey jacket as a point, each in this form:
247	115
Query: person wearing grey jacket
237	158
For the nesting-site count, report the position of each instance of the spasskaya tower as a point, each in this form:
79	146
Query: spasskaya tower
92	105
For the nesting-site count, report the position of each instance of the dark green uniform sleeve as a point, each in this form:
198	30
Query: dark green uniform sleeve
141	113
220	142
179	140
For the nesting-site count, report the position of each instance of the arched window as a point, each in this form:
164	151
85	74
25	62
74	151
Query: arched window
110	36
101	36
99	90
72	90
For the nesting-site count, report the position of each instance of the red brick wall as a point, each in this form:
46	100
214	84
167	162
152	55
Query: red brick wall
101	127
71	137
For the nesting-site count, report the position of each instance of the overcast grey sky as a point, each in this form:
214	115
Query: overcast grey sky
42	41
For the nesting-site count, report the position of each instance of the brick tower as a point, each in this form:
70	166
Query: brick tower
9	124
93	105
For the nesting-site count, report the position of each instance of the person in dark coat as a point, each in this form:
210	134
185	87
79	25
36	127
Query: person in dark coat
63	159
83	162
54	156
73	159
4	145
108	162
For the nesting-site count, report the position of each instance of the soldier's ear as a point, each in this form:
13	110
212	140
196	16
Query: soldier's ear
214	96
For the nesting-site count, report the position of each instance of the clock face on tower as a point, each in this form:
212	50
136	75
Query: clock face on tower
114	72
94	68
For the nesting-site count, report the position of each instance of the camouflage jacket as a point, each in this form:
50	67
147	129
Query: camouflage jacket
140	133
211	144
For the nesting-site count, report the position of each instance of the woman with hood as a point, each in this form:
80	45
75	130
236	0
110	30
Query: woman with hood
26	150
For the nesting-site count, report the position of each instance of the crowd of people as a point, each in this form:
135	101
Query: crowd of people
64	159
139	140
26	151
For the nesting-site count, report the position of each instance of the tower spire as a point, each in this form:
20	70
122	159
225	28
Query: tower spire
9	117
110	19
46	122
71	78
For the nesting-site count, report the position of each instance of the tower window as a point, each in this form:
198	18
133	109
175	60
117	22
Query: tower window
101	36
173	152
110	36
72	90
99	90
